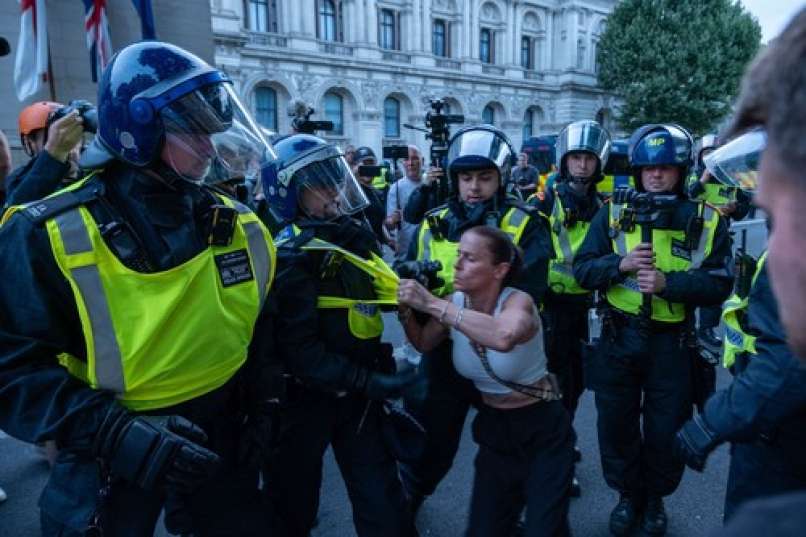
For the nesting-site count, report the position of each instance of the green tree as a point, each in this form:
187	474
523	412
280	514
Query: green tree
676	61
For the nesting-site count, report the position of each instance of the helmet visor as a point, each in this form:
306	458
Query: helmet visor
210	136
736	163
583	136
327	189
478	149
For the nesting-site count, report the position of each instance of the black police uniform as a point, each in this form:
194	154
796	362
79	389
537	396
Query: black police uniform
636	374
324	405
40	400
450	395
39	177
764	410
565	315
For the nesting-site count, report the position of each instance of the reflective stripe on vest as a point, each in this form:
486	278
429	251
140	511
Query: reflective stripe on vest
566	243
446	252
736	341
626	296
148	336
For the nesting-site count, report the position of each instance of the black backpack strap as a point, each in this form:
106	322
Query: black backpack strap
42	210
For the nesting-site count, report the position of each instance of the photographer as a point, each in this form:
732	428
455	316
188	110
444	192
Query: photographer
424	197
525	455
376	210
479	162
53	148
642	365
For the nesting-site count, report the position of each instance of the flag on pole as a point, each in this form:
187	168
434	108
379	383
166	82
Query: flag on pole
31	61
143	8
97	27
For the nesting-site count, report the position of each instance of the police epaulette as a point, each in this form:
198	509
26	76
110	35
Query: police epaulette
435	210
41	210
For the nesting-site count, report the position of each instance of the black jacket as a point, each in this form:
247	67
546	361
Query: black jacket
316	345
39	400
596	265
39	177
535	242
769	394
423	199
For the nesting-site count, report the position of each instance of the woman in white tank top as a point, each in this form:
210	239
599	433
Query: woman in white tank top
525	440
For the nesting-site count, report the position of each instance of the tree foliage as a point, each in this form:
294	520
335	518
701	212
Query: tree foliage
676	61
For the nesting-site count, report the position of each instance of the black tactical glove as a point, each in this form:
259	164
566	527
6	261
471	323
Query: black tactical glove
379	386
155	451
694	442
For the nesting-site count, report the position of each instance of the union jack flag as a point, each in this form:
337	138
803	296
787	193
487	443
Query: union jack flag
97	28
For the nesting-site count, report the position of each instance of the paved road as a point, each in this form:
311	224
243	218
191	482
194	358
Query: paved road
694	509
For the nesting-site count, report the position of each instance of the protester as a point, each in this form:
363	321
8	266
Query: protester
524	434
525	176
397	199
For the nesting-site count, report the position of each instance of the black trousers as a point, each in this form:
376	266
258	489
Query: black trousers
525	459
443	414
643	396
311	422
566	331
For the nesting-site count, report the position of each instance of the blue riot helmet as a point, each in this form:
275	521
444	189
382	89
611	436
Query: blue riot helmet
583	136
159	104
480	148
661	145
310	178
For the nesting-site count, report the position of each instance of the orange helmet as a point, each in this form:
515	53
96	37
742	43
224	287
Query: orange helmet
35	116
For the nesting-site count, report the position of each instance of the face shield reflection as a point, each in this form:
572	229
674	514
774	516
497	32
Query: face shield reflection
327	189
736	163
584	136
481	144
210	136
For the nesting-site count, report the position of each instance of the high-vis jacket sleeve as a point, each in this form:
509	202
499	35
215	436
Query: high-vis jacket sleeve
595	264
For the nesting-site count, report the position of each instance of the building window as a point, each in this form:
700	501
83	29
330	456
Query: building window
391	118
488	115
486	46
329	16
266	107
528	124
387	30
439	44
261	15
334	111
526	53
594	51
580	54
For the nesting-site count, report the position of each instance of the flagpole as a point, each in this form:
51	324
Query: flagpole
51	82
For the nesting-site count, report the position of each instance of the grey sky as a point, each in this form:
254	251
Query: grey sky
773	14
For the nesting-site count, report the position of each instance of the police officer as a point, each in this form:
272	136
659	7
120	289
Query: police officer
375	189
582	150
111	289
480	160
330	284
763	412
52	148
642	365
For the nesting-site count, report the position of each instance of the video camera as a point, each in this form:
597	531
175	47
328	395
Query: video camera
646	205
87	111
437	129
302	123
425	272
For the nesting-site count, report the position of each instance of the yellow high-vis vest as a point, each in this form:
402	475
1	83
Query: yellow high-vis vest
736	340
567	240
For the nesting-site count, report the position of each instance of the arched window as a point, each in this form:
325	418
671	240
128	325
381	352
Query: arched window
439	44
266	107
526	53
488	115
391	118
528	124
327	20
334	111
486	46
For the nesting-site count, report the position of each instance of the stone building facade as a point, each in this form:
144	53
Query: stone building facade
371	66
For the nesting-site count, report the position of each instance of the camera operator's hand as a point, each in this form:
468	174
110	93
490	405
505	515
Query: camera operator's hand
641	257
435	173
64	135
651	281
412	293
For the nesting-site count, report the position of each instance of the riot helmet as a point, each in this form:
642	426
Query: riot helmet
480	148
709	142
161	106
737	162
310	178
660	145
583	136
364	153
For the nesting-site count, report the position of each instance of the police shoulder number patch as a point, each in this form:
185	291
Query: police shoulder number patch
234	268
680	250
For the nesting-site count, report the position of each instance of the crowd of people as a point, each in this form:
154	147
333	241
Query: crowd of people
192	314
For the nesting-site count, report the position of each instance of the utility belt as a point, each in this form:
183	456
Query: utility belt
614	319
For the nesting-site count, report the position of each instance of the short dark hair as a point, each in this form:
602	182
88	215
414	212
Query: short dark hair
774	94
503	250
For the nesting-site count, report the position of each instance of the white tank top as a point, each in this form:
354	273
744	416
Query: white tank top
524	364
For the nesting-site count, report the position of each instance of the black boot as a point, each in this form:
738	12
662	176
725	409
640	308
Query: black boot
624	515
654	522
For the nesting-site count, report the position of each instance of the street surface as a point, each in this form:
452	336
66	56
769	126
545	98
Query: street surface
694	510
